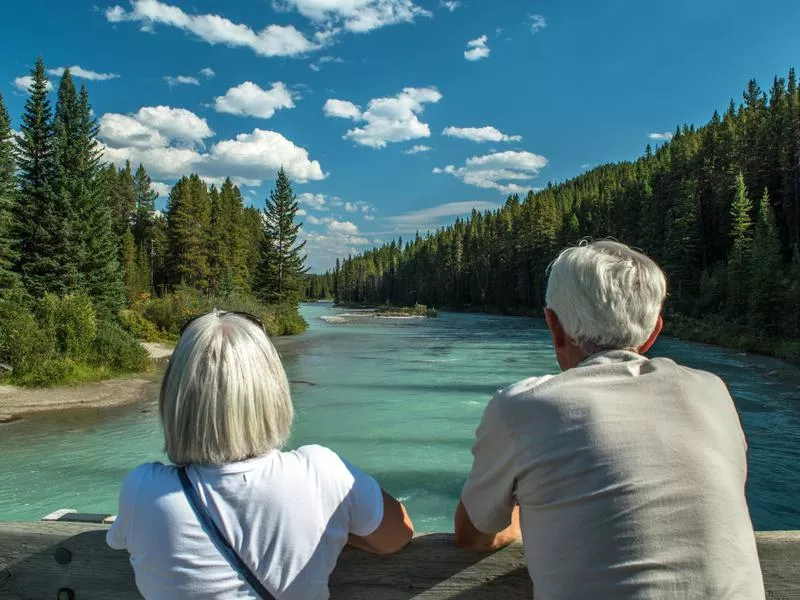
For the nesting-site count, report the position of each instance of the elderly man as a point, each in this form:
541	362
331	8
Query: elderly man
623	475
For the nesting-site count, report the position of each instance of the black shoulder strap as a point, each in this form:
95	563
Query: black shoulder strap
219	540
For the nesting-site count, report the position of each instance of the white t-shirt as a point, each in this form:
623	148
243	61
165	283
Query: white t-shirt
630	477
287	515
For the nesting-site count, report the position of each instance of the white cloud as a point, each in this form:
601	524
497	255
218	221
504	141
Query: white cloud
324	248
481	134
435	216
342	109
314	67
208	73
358	16
162	189
417	149
666	135
450	5
491	170
323	60
586	165
24	83
249	100
181	79
250	154
77	71
158	136
477	49
362	207
119	131
273	40
301	212
348	227
538	22
392	119
313	201
175	123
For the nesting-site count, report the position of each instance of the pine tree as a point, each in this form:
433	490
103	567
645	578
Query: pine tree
766	270
68	179
741	232
188	224
280	272
44	250
99	266
8	202
123	200
145	200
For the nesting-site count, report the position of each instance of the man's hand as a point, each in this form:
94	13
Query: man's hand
468	536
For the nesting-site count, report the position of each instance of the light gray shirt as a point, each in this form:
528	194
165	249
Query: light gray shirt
630	477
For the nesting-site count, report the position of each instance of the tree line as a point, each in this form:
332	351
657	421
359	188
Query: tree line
717	206
72	225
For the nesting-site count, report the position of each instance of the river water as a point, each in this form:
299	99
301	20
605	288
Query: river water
400	398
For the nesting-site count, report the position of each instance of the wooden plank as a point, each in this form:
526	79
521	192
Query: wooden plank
431	568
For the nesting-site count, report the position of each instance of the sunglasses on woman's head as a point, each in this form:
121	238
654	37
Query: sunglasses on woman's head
221	313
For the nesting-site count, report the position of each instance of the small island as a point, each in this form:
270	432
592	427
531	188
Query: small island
389	310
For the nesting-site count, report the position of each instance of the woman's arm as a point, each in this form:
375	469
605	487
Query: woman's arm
394	532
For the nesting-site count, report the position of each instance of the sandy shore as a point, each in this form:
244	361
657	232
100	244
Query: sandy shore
16	402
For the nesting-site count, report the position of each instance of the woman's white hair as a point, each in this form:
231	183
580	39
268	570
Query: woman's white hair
224	397
606	295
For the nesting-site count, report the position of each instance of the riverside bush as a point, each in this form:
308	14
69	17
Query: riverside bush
117	349
168	313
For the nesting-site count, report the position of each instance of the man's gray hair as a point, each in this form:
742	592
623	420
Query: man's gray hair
224	397
606	295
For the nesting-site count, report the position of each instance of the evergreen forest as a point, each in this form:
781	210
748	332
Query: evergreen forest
88	266
717	206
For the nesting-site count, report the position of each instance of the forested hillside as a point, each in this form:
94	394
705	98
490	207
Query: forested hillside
87	263
717	206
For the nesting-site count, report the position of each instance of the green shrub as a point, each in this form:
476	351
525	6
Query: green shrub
141	328
48	372
118	350
26	344
76	326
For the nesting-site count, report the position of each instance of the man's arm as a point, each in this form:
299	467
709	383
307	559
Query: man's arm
470	537
394	532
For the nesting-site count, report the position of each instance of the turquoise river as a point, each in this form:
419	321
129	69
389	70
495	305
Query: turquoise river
400	398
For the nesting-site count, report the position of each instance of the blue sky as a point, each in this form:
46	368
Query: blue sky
394	115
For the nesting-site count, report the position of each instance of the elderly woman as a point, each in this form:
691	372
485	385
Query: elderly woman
234	516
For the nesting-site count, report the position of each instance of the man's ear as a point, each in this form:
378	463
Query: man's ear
556	329
653	336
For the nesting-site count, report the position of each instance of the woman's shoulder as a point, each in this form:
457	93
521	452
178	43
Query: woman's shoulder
150	475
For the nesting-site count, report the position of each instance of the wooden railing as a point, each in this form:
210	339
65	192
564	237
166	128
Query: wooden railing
70	561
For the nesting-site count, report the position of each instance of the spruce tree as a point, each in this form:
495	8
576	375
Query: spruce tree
280	272
68	178
8	202
188	225
43	250
766	270
742	236
144	215
99	266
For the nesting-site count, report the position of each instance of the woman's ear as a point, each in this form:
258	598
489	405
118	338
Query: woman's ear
653	336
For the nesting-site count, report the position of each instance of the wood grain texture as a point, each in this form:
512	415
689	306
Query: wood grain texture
430	568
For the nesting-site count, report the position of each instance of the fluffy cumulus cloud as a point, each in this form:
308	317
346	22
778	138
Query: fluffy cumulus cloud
170	143
538	22
273	40
417	149
434	216
391	119
477	49
358	16
342	109
324	60
24	83
77	71
481	134
348	227
208	73
161	188
450	5
499	170
324	247
661	136
181	80
249	100
313	201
